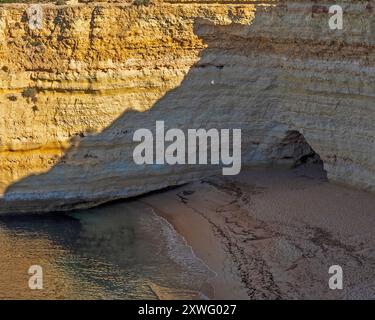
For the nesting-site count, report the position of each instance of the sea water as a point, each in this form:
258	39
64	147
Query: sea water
117	251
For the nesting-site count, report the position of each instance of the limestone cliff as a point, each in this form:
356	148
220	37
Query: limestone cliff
73	93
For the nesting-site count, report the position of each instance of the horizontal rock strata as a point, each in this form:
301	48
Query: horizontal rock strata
73	93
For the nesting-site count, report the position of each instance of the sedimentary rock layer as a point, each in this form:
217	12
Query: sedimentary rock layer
73	93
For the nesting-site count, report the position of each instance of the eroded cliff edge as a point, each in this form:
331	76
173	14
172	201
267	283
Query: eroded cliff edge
73	93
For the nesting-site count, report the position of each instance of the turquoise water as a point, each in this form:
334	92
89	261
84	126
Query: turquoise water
117	251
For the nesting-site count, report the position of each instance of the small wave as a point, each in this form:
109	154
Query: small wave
182	253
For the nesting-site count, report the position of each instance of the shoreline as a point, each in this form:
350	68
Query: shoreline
207	292
272	234
200	235
266	234
217	285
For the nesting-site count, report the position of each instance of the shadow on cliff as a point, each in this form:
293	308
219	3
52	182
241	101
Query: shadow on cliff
215	93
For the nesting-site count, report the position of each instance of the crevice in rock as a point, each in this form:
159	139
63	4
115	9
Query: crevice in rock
294	151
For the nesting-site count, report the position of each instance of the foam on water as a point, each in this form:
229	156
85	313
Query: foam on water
117	251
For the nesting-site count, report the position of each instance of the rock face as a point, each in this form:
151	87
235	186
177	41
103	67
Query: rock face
73	93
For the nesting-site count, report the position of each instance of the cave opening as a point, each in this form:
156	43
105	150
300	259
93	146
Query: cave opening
294	151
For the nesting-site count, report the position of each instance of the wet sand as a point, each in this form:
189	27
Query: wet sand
264	234
273	234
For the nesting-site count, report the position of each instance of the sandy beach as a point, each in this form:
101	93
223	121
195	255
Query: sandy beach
264	234
274	233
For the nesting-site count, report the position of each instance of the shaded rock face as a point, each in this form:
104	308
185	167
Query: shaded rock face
294	150
73	93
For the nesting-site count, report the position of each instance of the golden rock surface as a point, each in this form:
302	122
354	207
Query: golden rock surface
73	93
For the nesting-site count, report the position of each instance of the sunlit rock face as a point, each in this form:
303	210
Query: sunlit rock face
73	93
